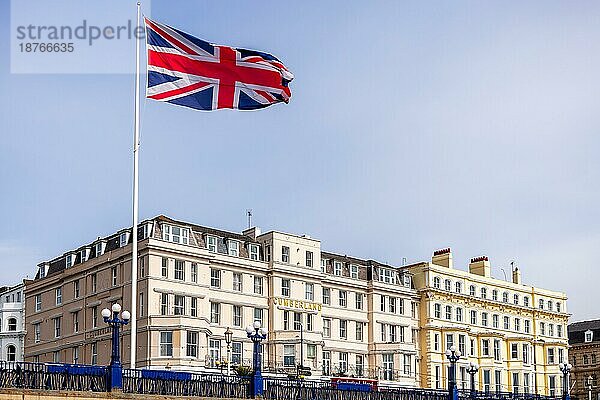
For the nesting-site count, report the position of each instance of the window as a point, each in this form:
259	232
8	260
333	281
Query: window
401	306
175	234
310	326
505	297
309	258
449	340
286	320
237	281
527	326
526	301
342	298
558	307
589	336
94	353
214	351
541	304
551	359
194	307
472	347
484	293
458	287
550	305
215	313
337	268
268	251
323	265
194	272
393	333
359	331
495	295
76	289
387	275
237	315
69	261
166	344
552	385
542	328
57	324
289	355
485	347
285	287
472	290
498	379
75	322
327	328
516	299
496	350
285	254
297	321
437	377
392	301
473	317
76	355
559	331
179	305
525	353
459	315
526	383
550	329
36	333
192	344
236	353
38	302
114	276
56	356
58	296
437	310
95	317
382	303
343	329
258	315
447	285
484	319
517	324
211	244
11	353
164	304
354	272
436	341
448	313
388	366
360	365
180	270
258	285
123	239
253	250
514	351
358	300
164	272
515	382
506	323
99	247
383	332
309	291
343	365
234	248
462	347
215	278
496	321
436	282
326	296
326	363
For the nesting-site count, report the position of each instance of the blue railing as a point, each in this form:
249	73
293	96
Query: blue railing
184	384
53	376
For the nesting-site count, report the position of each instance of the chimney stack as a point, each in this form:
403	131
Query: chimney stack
442	257
480	266
516	276
253	232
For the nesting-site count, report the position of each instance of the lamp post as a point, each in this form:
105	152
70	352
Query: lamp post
453	356
116	369
472	370
589	386
300	366
257	335
565	368
228	337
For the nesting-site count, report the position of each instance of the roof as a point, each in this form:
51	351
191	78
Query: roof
577	330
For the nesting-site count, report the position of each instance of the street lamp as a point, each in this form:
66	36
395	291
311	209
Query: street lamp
565	368
453	356
228	337
257	335
472	370
116	369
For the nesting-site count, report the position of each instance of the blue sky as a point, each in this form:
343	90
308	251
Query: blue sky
412	126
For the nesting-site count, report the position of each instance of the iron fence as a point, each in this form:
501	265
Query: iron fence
146	381
25	375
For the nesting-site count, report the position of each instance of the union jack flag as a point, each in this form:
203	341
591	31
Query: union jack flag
190	72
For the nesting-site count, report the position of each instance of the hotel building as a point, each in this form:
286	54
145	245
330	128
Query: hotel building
12	323
584	356
516	333
332	313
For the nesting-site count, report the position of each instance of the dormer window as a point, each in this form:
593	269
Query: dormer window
386	275
211	244
99	247
176	234
123	239
83	255
69	260
42	271
436	282
337	268
145	231
354	271
407	282
253	250
589	336
233	248
323	265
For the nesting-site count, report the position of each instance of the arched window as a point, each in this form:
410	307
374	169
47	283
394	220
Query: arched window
505	297
447	285
458	287
11	353
472	290
12	324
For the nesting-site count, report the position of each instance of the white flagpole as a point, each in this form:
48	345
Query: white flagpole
134	251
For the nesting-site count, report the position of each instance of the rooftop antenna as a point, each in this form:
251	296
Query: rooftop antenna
249	214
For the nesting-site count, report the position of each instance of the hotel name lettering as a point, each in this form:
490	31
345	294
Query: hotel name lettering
297	304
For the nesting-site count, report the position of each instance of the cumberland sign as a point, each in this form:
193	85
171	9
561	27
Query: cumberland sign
290	304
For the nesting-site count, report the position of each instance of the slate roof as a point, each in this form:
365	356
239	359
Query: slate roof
577	331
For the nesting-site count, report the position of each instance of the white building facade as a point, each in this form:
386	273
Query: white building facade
12	323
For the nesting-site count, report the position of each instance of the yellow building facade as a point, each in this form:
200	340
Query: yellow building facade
516	333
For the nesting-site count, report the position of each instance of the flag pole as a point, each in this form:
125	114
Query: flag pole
134	250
